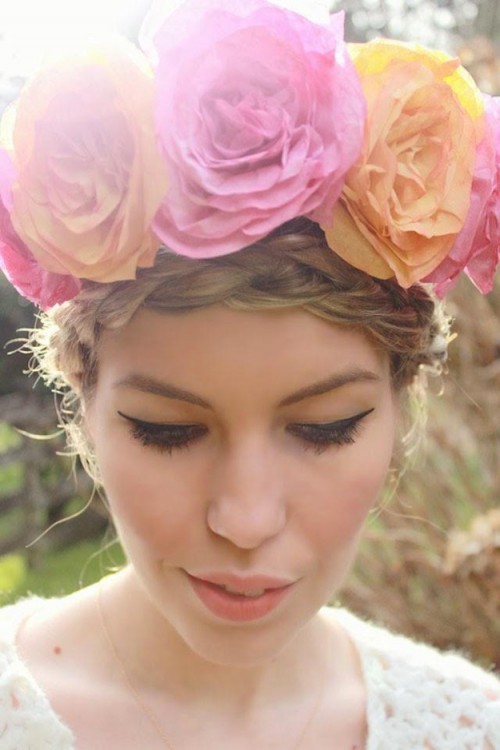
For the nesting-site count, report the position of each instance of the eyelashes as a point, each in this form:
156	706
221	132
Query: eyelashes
319	437
164	437
314	436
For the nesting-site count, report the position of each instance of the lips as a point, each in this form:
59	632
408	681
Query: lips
239	599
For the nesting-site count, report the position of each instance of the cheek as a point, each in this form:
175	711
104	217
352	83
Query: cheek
151	501
343	493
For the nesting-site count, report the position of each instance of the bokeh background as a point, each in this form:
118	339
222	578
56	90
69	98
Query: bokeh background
429	565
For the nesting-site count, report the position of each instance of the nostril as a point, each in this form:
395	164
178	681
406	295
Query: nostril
246	525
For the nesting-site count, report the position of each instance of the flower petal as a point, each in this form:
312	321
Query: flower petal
89	175
409	194
259	114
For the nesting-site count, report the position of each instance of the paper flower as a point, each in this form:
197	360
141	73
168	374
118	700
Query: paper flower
407	198
42	287
477	247
89	176
259	113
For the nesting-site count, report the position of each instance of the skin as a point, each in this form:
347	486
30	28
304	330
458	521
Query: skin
249	494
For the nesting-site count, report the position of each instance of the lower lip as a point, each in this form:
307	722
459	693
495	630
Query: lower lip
236	607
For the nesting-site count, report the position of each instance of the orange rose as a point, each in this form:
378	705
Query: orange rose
89	176
407	197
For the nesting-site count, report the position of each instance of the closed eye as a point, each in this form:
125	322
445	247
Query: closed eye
320	436
167	437
164	437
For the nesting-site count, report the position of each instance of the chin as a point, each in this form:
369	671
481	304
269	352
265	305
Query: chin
239	646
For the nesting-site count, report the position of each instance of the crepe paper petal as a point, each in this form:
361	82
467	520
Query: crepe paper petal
477	247
89	175
259	114
41	287
409	194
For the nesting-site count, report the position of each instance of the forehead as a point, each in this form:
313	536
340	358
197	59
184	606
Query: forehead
220	341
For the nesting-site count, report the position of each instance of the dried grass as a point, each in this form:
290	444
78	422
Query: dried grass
429	565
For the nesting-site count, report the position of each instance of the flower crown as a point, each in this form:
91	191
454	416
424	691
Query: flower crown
237	116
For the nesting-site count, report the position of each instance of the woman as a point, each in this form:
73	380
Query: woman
239	395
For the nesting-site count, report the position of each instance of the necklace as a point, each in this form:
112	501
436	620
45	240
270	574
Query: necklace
147	711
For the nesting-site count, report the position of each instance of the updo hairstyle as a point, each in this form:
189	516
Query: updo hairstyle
292	267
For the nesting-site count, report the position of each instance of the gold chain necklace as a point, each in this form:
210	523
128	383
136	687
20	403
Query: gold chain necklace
146	710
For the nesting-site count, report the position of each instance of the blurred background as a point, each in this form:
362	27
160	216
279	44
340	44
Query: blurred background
429	565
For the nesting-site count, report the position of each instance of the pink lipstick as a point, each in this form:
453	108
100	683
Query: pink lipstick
239	599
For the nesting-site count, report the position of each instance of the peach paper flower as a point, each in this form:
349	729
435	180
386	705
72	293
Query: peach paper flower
259	113
477	248
408	196
89	176
42	287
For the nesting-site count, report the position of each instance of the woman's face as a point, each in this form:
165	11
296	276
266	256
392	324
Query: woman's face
240	450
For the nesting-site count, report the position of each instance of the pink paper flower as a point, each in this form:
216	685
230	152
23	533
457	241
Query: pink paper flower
477	248
259	113
41	287
89	175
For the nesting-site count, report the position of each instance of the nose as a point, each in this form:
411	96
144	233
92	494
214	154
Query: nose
247	503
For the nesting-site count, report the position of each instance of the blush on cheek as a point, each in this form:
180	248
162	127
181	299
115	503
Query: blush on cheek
153	514
349	496
339	524
366	486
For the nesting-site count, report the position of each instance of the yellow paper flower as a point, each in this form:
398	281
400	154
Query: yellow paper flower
407	197
89	176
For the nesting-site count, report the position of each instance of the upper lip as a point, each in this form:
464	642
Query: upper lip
242	583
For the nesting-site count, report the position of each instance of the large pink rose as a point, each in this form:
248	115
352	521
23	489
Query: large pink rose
477	248
42	287
89	175
259	113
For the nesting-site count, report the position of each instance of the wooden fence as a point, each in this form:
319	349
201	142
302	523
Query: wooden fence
47	485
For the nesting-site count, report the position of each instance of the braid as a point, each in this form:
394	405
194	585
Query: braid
291	268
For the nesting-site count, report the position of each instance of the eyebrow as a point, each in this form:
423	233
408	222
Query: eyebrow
158	388
147	384
332	383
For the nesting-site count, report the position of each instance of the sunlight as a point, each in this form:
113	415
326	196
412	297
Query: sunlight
30	29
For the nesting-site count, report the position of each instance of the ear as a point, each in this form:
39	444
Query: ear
74	381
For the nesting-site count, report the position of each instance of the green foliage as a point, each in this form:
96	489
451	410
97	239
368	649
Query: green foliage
10	521
11	478
9	437
62	572
12	573
15	314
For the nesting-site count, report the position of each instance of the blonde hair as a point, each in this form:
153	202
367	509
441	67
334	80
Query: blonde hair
292	267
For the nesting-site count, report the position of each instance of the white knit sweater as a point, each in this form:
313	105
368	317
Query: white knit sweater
418	698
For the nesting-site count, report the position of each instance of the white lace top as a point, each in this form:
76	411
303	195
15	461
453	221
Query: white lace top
418	698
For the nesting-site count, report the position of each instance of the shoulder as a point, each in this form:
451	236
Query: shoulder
12	618
26	718
421	697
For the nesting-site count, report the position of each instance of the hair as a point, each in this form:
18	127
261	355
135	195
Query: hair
292	267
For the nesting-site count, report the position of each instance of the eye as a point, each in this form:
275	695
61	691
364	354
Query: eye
164	437
319	437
